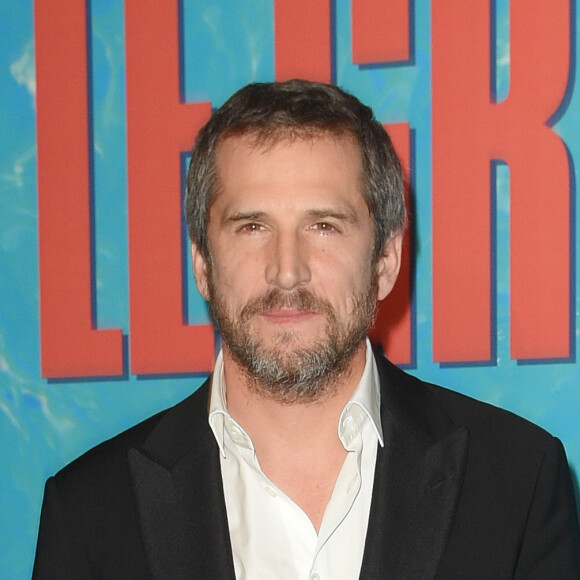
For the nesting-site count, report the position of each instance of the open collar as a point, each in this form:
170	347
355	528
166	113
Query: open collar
418	477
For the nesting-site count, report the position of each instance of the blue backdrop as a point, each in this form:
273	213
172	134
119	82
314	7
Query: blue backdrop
45	424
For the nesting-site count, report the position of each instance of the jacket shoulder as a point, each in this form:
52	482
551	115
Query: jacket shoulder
108	460
422	401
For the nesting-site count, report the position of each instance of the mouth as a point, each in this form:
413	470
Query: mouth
287	315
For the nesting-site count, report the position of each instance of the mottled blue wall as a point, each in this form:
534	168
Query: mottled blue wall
45	424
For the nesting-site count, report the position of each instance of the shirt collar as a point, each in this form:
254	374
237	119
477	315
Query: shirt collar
218	412
364	403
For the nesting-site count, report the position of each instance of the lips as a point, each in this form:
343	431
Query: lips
287	315
280	307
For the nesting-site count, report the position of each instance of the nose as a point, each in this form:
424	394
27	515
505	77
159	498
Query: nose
287	266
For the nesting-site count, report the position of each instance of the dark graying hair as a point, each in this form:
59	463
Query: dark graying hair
297	109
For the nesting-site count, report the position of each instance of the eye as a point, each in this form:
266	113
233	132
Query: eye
325	227
251	227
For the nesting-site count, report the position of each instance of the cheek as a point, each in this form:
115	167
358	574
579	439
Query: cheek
339	281
239	279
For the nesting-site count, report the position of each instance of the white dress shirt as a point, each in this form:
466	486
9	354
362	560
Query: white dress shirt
271	536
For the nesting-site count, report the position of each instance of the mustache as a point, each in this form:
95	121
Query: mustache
301	299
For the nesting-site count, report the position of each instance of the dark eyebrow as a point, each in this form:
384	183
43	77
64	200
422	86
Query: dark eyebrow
344	216
242	216
322	213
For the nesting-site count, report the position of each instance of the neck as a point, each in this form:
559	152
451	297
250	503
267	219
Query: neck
297	444
270	421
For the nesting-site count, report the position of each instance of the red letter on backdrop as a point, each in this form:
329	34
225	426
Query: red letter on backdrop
392	327
302	38
70	345
160	127
380	31
468	132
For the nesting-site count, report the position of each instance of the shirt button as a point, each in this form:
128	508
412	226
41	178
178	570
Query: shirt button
315	576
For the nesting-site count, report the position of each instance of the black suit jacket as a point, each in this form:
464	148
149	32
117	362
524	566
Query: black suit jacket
461	490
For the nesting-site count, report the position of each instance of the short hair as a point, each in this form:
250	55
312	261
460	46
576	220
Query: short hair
297	109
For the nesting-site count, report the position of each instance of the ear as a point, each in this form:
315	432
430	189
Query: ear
389	264
200	272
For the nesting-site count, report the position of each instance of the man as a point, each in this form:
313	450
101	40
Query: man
305	455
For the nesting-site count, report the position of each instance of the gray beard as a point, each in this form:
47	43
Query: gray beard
290	374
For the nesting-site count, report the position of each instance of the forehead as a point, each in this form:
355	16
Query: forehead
263	141
314	160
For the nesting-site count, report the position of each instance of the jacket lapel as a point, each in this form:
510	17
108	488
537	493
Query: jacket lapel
179	494
418	477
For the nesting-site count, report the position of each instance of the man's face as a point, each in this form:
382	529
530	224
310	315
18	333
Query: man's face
292	281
